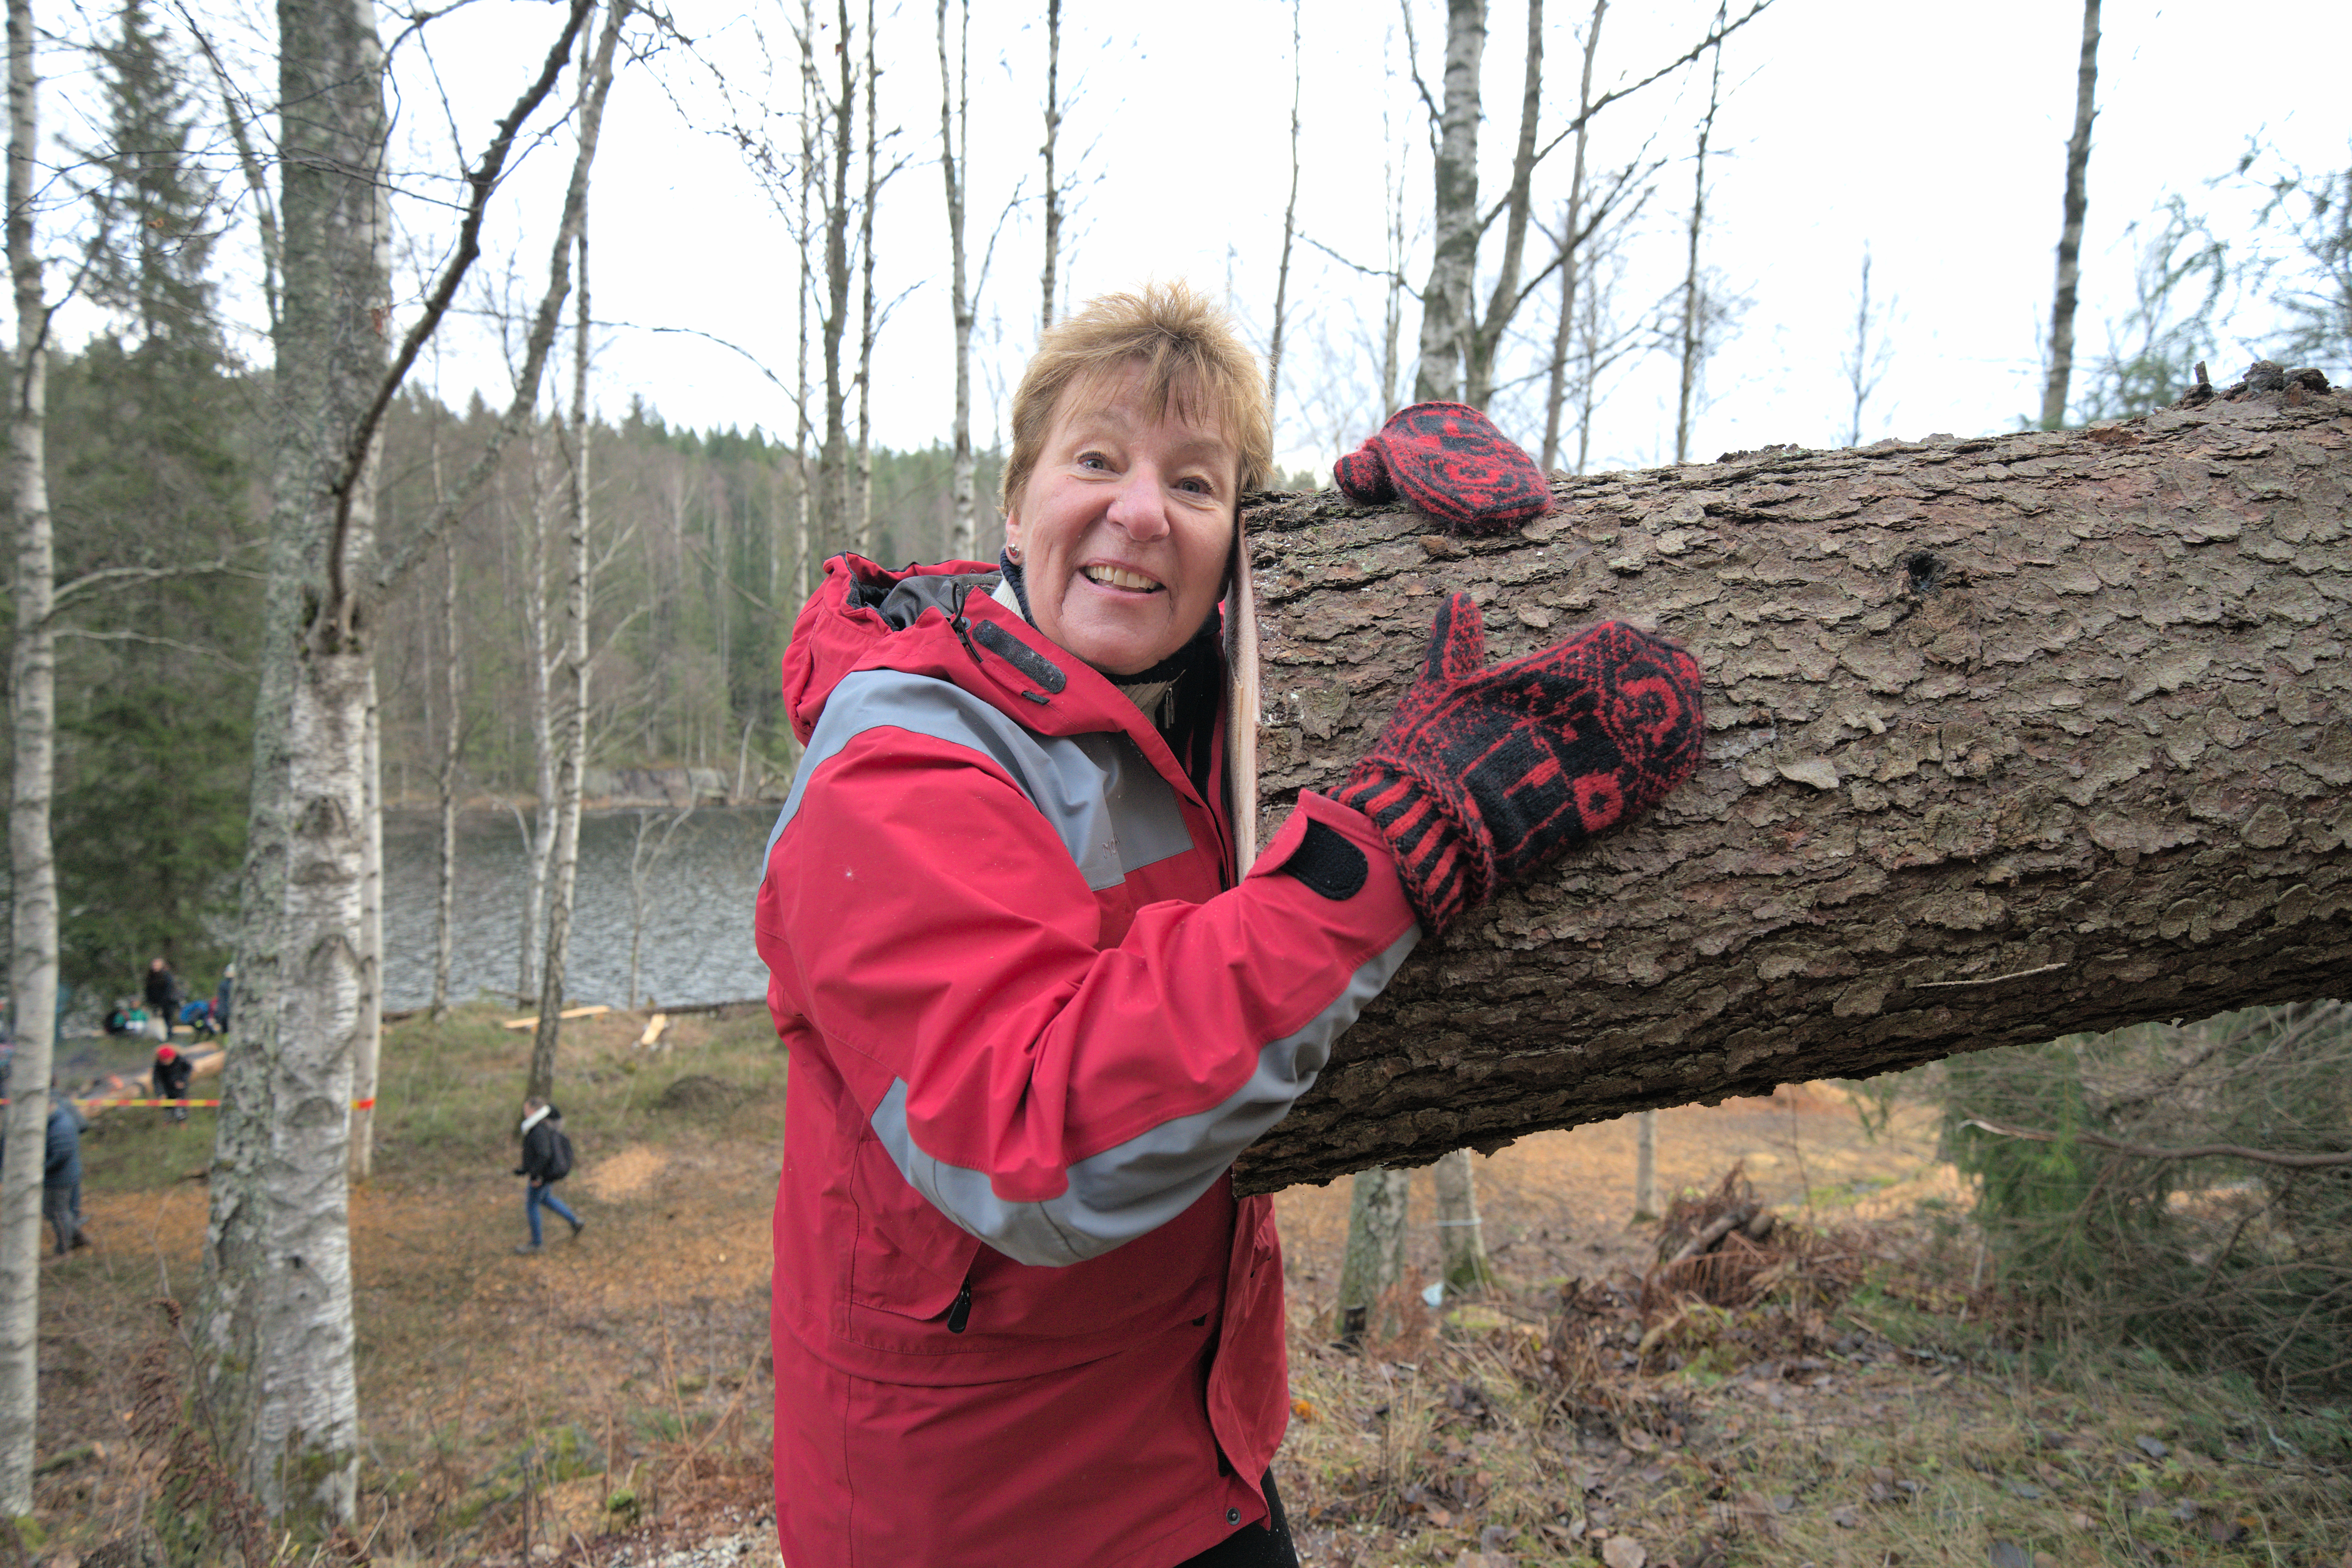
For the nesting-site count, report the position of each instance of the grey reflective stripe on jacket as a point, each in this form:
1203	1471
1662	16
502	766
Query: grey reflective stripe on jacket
1113	811
1137	1186
1115	815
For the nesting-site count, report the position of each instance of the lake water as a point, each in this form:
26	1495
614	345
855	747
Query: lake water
696	937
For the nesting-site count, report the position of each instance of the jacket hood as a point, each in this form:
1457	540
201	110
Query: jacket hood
941	621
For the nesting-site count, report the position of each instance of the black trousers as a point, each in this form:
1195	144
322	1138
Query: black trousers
1253	1546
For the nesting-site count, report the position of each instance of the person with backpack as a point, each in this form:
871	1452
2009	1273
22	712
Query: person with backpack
546	1160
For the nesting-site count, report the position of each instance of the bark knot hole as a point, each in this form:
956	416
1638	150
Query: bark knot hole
1923	571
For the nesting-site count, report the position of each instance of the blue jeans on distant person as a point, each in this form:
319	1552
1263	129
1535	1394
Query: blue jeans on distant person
543	1192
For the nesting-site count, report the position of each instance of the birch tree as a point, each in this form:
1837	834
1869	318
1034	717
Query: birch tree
1865	362
955	143
571	702
1446	297
445	887
32	712
2070	231
1694	338
275	1323
1289	231
1048	151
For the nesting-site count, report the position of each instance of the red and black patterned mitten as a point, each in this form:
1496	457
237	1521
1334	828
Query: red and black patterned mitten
1484	774
1448	461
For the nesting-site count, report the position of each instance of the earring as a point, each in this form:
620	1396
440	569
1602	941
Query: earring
1012	553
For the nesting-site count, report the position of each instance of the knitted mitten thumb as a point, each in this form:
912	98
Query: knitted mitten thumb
1363	475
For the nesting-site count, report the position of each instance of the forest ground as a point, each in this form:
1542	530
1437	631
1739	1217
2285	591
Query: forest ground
1859	1393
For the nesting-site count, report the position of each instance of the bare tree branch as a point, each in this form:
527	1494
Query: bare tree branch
2150	1152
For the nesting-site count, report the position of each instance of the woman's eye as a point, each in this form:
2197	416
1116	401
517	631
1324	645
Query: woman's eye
1196	486
1093	461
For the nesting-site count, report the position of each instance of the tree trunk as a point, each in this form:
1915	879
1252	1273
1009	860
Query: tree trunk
445	917
2009	738
1693	337
368	1044
1289	232
1647	1205
2070	232
1375	1256
833	462
1053	185
276	1319
1571	263
32	859
572	745
1445	301
955	121
1461	1239
541	659
1483	336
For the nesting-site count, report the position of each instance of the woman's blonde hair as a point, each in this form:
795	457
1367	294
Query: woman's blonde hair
1194	362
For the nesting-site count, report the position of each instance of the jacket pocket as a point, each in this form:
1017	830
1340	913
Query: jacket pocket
909	1259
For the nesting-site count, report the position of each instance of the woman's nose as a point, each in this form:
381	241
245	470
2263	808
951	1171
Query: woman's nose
1140	507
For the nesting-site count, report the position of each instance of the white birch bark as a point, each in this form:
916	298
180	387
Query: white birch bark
1445	300
1375	1256
572	717
32	711
955	121
540	662
1461	1238
445	916
862	500
275	1323
368	1043
1647	1205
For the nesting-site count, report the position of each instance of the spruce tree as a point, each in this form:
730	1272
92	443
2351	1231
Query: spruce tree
147	435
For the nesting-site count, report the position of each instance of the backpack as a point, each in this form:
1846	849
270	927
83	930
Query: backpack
558	1155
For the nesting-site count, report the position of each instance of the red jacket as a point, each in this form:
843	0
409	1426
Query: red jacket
1020	1317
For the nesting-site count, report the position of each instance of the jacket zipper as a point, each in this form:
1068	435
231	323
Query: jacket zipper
960	1314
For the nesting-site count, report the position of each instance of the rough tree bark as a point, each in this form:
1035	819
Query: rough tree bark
2009	737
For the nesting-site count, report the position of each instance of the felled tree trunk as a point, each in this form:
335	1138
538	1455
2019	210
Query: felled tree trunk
2008	738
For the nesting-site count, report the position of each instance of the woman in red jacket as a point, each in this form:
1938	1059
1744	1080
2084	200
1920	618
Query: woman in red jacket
1020	1316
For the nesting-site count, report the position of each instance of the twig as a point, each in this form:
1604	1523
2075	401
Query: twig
1988	980
2150	1152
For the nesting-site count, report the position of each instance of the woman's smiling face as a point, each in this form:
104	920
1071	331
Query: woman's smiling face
1124	526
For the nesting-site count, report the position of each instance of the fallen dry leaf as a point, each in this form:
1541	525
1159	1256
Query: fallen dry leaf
1624	1552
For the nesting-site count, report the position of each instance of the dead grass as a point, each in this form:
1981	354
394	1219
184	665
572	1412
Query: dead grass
1848	1394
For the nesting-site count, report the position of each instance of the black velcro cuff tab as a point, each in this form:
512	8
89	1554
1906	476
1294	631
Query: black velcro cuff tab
1020	655
1327	863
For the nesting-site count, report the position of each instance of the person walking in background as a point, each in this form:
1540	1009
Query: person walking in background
162	996
61	1174
171	1074
546	1160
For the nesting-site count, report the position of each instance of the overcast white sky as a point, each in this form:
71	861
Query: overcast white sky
1933	132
